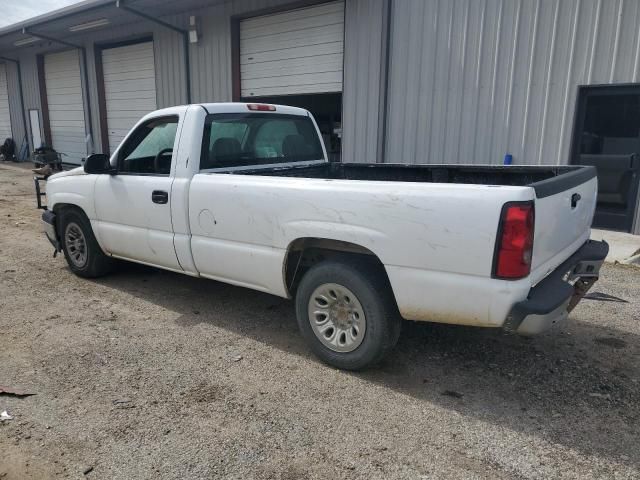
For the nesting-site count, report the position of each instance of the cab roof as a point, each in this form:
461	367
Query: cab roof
243	107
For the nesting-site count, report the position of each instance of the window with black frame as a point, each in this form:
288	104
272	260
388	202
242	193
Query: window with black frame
607	136
611	125
246	139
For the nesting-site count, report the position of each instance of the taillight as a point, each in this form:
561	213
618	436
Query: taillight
514	245
261	107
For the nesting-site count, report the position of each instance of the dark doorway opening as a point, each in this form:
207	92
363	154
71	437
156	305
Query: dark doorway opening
326	109
607	136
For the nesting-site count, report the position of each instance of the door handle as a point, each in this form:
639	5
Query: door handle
575	198
159	196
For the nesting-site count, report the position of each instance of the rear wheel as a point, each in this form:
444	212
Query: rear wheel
347	314
81	250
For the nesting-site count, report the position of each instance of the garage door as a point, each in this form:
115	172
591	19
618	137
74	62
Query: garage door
129	87
66	108
296	52
5	118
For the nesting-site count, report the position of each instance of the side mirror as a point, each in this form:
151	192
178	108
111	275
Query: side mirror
97	163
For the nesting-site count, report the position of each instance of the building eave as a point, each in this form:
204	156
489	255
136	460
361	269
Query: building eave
77	8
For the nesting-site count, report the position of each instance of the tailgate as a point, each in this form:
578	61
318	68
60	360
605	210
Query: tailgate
564	209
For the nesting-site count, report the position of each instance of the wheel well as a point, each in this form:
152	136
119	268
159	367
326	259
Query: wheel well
60	208
304	253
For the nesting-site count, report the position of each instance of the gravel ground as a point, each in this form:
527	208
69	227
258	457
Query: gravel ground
150	374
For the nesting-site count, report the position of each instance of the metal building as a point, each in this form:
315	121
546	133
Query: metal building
409	81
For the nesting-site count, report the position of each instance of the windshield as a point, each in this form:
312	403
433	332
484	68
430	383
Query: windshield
245	139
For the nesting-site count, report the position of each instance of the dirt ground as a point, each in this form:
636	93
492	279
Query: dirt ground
150	374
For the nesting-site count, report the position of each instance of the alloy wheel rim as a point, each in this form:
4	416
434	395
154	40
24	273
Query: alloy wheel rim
76	245
337	317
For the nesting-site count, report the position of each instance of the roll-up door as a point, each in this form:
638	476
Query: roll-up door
5	117
66	107
296	52
129	87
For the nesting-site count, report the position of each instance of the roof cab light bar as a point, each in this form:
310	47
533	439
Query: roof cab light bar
261	107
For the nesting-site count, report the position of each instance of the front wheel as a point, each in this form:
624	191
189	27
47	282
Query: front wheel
81	250
347	314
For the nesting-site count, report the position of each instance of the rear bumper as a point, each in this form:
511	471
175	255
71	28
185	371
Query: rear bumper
551	300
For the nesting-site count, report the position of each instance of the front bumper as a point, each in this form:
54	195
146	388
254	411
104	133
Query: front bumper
49	226
550	301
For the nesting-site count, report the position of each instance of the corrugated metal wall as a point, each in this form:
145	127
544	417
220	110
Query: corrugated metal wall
474	79
14	102
364	74
5	111
168	50
31	95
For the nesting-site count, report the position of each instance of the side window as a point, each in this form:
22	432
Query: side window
149	149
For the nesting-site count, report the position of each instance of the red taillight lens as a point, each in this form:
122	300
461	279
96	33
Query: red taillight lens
515	241
261	107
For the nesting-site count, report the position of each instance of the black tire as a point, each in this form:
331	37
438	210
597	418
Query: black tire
373	292
95	263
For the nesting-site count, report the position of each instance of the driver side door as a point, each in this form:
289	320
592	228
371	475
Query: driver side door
133	206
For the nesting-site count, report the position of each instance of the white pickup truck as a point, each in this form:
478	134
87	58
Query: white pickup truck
244	194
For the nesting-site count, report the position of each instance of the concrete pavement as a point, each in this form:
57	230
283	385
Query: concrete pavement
623	247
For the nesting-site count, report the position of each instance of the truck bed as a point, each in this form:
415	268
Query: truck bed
546	180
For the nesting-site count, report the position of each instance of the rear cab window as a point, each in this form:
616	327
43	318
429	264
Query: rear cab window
253	139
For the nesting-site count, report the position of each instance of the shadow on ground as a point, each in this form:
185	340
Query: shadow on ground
577	387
